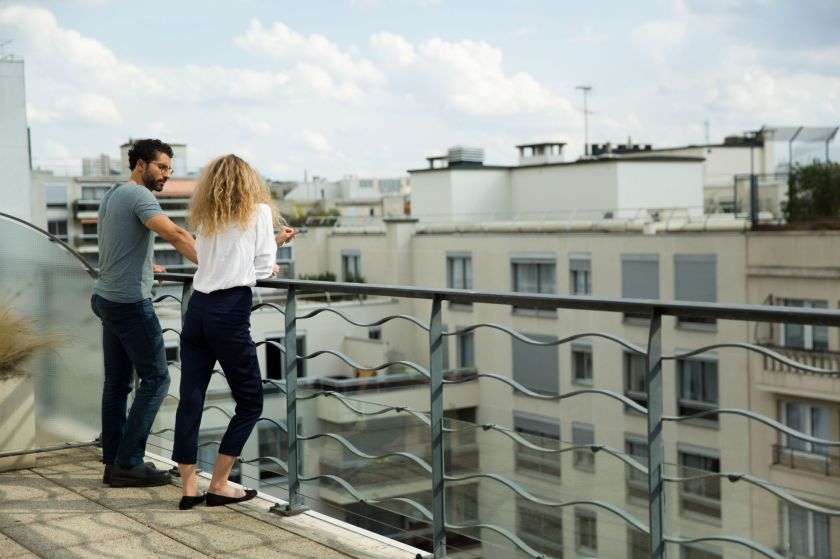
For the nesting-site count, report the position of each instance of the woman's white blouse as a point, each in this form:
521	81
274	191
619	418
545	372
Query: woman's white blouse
236	257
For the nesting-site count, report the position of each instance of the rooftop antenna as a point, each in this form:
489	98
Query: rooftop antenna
586	90
2	49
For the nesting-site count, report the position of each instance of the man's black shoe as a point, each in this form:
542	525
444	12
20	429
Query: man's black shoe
141	475
106	476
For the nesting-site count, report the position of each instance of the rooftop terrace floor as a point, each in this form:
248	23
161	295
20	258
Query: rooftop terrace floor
61	509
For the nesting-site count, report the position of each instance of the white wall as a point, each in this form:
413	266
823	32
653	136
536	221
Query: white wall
558	191
431	193
14	143
479	194
658	184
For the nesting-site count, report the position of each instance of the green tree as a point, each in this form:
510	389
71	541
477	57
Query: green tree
813	192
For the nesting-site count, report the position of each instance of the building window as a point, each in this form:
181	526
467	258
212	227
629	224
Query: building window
586	532
580	273
700	496
89	229
58	227
638	544
351	265
459	271
635	377
584	458
695	279
536	367
275	363
582	364
806	533
533	274
804	336
375	332
637	482
540	528
697	552
698	387
540	431
807	419
639	280
466	350
94	192
55	195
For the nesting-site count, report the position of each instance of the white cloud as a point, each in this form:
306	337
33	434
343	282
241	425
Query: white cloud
393	49
87	108
315	140
281	43
255	126
76	59
35	115
659	40
475	82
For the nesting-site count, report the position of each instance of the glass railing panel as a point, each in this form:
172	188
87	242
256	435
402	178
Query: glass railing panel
58	400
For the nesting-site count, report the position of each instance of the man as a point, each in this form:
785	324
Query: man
129	215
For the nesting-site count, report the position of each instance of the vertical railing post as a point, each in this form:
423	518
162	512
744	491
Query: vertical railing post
436	391
295	504
656	496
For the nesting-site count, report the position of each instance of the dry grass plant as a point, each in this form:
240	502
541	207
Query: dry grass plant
19	342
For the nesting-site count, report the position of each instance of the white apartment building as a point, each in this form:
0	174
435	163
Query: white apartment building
651	255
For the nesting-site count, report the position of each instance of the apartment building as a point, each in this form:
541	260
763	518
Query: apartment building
601	245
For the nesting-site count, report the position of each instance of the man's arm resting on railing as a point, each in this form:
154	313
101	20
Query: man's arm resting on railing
178	237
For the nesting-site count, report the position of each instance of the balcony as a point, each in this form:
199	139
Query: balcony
471	463
798	373
60	508
805	461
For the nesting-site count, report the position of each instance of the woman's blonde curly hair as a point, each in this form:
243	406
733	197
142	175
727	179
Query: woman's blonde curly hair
227	193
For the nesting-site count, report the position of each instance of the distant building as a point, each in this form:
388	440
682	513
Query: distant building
350	197
15	158
101	166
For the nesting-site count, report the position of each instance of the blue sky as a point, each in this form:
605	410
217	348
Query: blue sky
372	87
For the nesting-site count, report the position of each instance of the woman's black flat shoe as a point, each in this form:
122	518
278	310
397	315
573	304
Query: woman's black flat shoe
189	502
214	500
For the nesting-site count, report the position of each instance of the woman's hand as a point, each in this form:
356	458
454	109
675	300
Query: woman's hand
286	234
274	271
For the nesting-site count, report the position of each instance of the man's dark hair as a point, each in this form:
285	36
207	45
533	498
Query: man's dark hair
147	150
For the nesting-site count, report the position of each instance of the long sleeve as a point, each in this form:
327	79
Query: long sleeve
265	254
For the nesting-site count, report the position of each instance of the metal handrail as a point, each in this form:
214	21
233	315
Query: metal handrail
654	470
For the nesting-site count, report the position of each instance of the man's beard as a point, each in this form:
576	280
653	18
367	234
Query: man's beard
152	184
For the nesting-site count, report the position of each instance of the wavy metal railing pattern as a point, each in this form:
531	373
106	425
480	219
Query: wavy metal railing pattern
654	470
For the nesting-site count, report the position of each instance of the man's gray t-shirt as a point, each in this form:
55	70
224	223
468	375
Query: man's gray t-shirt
125	244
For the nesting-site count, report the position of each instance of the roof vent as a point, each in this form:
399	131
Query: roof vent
461	156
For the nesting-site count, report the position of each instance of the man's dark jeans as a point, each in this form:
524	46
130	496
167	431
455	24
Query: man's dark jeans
131	338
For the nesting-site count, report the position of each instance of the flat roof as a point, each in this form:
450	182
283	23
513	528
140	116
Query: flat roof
614	159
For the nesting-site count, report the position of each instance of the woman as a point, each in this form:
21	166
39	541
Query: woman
234	219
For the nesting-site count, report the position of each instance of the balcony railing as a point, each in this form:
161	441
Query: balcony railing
819	360
699	491
443	472
795	459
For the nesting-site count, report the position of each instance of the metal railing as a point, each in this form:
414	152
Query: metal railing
803	460
434	464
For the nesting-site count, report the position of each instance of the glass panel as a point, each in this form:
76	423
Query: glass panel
58	400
